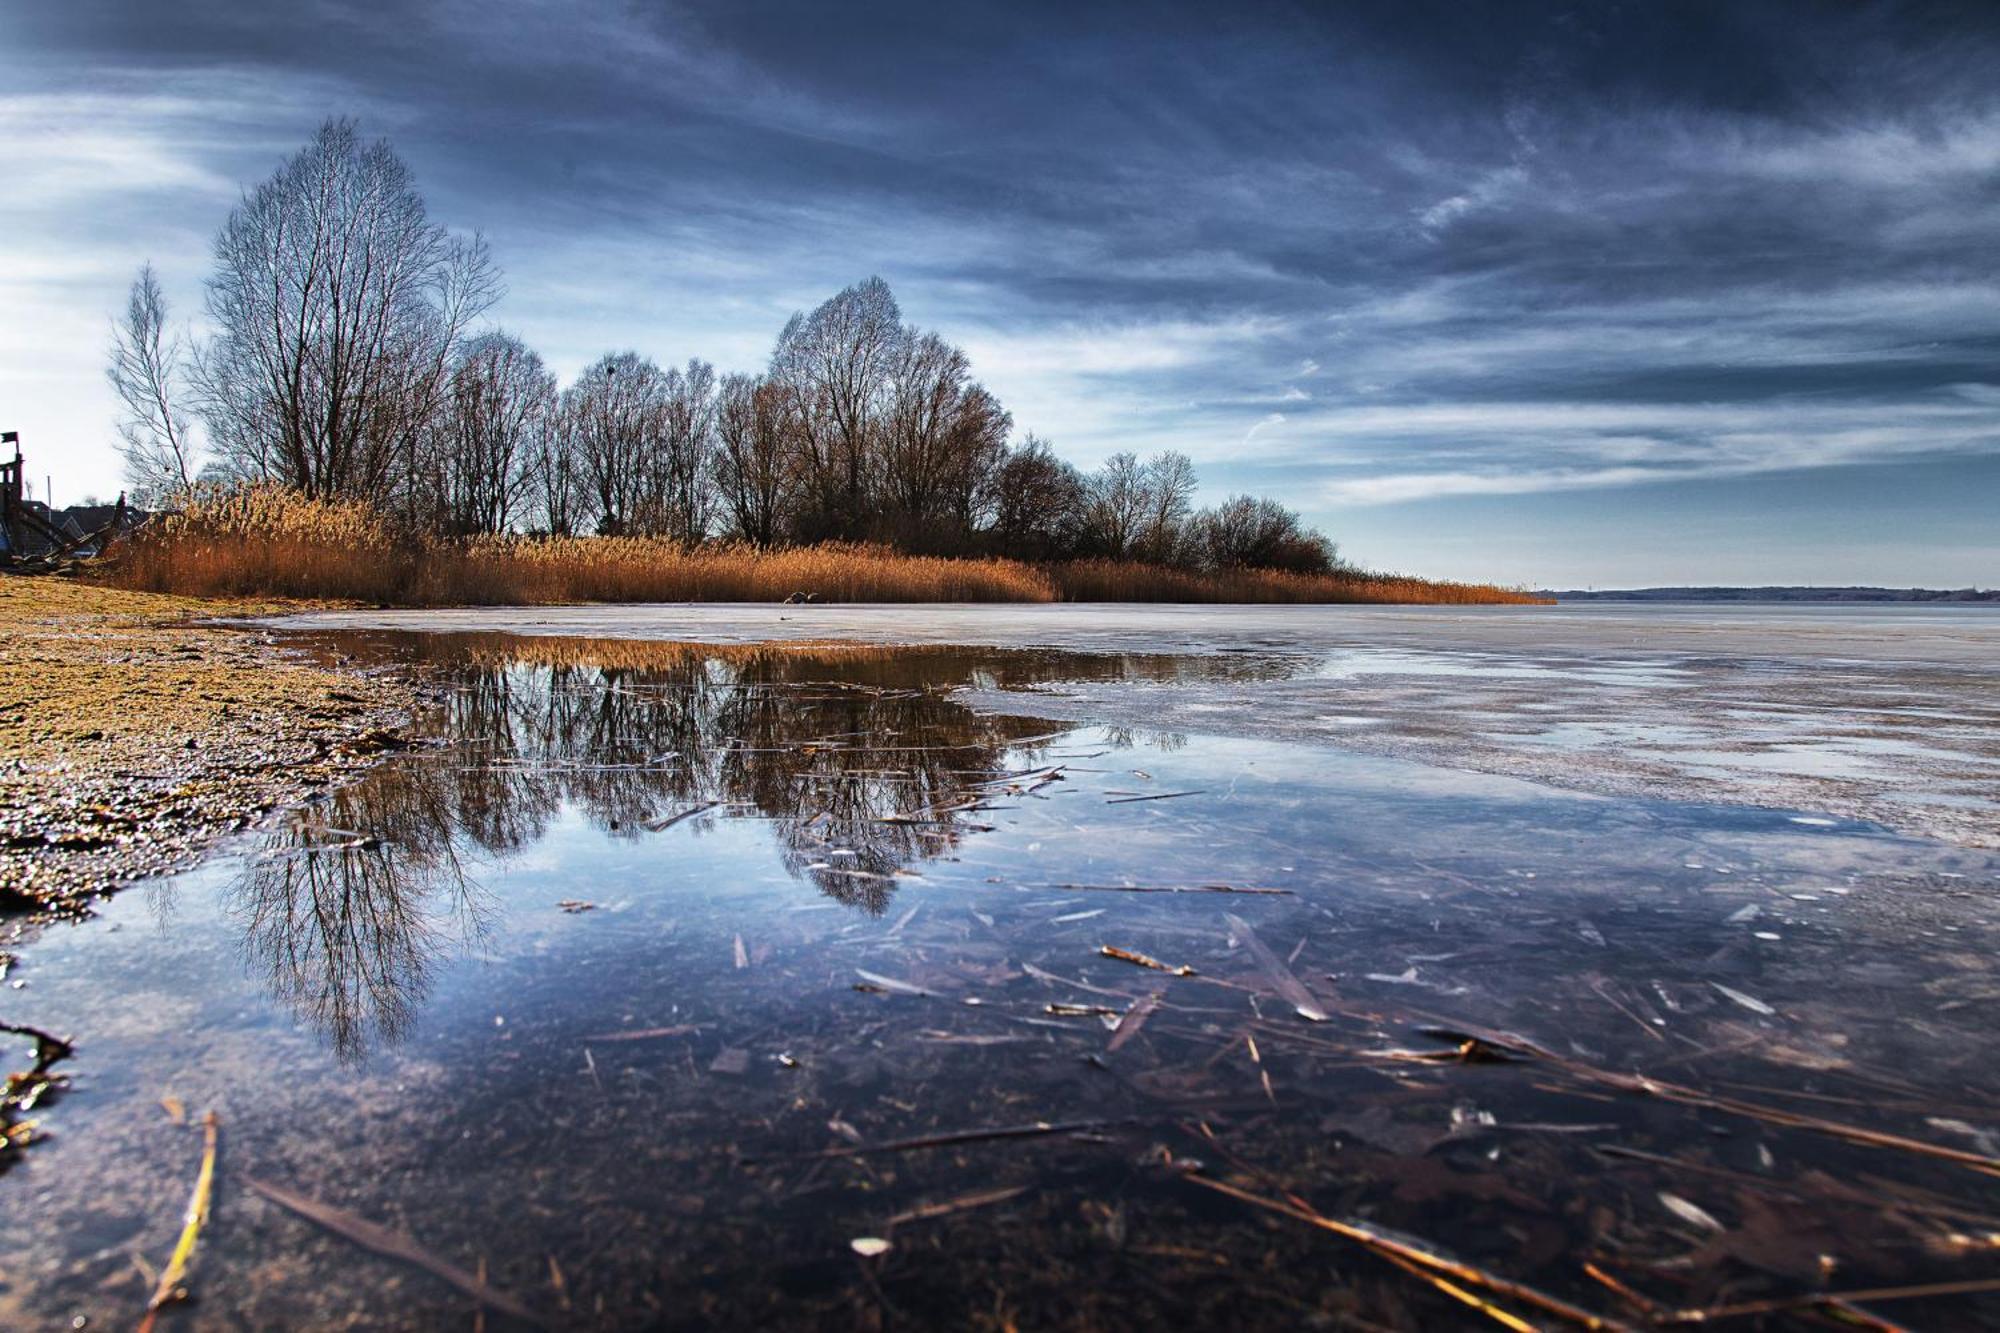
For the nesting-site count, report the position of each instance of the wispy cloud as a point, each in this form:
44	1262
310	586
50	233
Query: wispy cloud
1374	259
1490	188
1118	349
1604	446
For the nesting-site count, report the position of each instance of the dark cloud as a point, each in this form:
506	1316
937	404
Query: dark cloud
1380	254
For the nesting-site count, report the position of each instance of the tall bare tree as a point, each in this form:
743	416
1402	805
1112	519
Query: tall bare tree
559	501
833	367
941	437
617	413
148	370
977	439
337	304
753	471
684	471
488	441
1168	484
1040	504
1118	505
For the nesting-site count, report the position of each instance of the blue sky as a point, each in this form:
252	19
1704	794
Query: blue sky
1596	294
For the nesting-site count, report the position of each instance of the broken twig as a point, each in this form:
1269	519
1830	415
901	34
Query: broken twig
1142	960
392	1245
1038	1129
169	1288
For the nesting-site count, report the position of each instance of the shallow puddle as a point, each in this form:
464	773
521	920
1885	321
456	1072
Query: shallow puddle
696	986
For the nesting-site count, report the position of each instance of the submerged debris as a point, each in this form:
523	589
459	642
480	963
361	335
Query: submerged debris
25	1089
1133	1019
392	1245
877	981
170	1288
1750	1002
665	822
954	1138
1131	956
1288	986
963	1203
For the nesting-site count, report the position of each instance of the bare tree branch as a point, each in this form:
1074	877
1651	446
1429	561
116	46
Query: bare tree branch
148	370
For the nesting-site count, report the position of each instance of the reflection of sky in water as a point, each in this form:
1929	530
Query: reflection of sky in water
393	1011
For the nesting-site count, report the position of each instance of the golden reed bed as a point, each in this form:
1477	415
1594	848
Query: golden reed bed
268	543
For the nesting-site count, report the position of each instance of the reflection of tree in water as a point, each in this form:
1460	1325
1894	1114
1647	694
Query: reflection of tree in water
862	766
827	746
1126	738
348	924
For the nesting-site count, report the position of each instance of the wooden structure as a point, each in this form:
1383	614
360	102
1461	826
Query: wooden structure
28	533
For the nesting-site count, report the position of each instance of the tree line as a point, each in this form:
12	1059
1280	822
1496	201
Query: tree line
347	361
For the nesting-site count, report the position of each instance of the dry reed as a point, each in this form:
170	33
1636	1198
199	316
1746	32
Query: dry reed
1129	581
267	542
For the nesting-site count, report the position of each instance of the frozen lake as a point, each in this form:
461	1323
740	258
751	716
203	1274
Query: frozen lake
1888	713
1936	634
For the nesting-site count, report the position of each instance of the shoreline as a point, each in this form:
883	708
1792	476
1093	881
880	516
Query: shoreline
138	730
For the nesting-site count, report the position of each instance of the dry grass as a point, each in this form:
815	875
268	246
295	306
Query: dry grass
633	569
67	605
269	543
1125	581
265	542
132	734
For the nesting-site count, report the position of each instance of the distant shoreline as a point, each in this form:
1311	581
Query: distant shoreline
1778	593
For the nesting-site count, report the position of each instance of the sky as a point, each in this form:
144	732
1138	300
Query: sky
1565	295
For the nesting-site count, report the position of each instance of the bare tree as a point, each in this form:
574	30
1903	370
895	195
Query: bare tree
753	458
488	440
617	413
1168	484
925	382
560	498
976	442
685	467
1040	504
148	370
833	368
1119	505
1247	533
941	437
337	305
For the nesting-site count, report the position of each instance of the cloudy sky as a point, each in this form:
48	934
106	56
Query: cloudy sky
1593	294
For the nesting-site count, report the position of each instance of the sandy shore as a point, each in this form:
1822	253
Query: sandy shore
131	736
